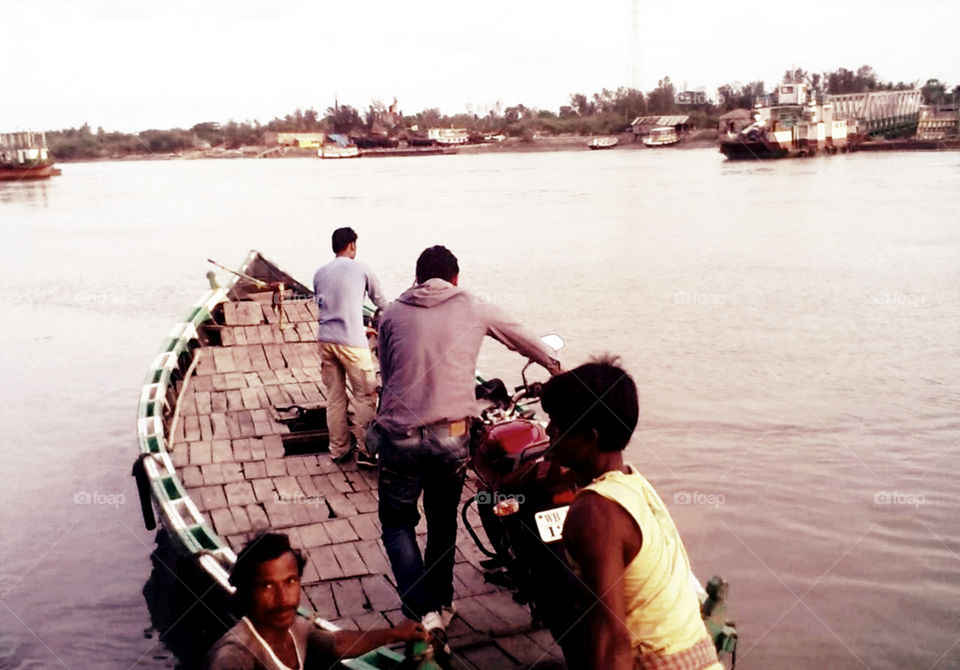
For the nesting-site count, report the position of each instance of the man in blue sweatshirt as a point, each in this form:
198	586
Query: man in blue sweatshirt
339	288
428	344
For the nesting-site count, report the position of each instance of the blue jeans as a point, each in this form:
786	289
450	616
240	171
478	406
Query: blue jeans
430	462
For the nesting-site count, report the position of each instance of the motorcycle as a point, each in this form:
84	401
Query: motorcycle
521	502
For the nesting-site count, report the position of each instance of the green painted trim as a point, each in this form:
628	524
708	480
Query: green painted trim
206	538
167	489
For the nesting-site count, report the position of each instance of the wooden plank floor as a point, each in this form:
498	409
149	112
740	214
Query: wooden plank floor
230	455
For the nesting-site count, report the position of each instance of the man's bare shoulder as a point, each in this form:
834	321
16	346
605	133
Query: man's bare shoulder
594	520
232	651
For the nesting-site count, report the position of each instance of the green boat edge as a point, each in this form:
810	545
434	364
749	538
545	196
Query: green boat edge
192	535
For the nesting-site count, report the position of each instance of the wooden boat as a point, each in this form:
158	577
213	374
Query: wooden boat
24	156
335	151
661	137
232	440
603	142
338	146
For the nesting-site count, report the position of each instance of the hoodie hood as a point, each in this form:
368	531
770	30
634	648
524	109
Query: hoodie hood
430	293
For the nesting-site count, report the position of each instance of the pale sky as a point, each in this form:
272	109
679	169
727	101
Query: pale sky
160	64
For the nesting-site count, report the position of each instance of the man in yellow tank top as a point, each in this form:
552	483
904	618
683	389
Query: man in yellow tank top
640	609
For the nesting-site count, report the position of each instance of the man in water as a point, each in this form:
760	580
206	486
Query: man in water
339	288
271	636
641	608
428	343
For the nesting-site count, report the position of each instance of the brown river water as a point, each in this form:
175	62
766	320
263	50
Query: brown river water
793	328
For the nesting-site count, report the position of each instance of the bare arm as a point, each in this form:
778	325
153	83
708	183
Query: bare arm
597	536
352	643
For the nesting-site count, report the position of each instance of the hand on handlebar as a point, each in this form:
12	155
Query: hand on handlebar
531	390
412	631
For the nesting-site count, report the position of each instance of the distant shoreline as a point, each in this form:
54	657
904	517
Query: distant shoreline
703	139
699	140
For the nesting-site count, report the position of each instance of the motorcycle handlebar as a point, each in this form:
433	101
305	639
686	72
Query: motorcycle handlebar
532	390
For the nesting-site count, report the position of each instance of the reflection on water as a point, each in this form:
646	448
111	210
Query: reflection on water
792	327
30	193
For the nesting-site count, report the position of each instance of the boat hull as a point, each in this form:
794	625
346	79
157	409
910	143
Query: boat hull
740	149
339	152
603	143
28	173
659	143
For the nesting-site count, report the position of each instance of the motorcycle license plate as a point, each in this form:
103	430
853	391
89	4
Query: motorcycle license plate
550	523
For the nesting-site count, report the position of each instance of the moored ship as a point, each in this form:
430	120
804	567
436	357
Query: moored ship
25	156
795	125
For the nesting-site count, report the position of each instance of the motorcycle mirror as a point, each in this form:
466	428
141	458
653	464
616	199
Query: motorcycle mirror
553	341
523	372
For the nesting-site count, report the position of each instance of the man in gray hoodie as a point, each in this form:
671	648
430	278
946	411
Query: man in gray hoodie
429	340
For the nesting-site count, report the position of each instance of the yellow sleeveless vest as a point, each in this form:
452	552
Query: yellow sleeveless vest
663	612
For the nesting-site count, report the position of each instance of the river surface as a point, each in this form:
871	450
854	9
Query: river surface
793	328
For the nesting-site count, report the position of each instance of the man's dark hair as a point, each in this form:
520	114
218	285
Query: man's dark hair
437	262
342	237
598	395
262	548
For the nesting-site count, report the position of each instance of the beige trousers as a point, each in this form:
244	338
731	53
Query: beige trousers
340	366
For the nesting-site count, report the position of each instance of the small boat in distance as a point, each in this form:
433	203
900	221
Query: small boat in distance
338	146
662	137
603	142
25	156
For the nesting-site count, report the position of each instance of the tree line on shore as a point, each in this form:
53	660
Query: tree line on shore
605	112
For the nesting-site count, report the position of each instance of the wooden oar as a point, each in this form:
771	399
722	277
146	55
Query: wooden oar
259	283
277	287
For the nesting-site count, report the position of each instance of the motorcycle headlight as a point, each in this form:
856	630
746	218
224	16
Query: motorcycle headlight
506	507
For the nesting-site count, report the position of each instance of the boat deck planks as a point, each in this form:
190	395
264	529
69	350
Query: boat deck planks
229	451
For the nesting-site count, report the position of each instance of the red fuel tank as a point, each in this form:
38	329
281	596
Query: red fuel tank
515	436
502	448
